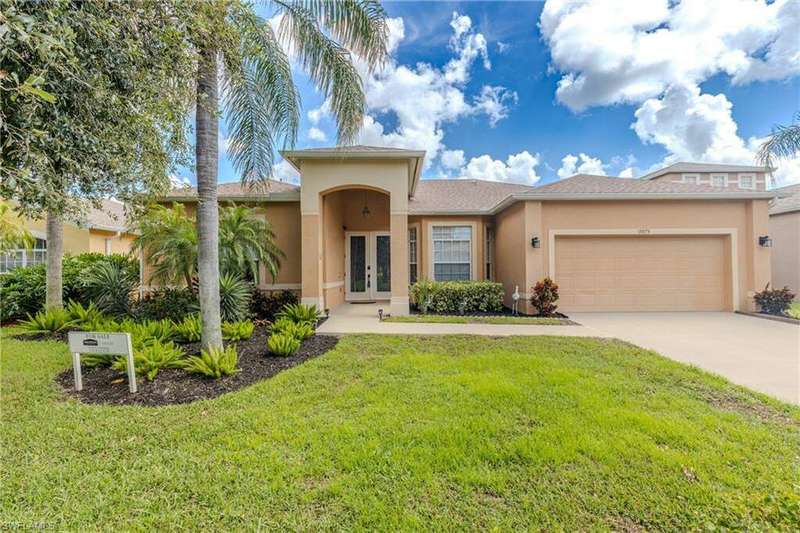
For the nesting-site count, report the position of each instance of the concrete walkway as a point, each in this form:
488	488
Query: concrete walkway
763	355
363	318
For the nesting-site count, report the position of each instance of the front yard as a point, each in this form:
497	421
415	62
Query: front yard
384	432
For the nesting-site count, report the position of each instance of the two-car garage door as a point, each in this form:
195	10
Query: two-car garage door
642	273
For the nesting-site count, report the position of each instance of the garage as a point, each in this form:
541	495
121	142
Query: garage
643	273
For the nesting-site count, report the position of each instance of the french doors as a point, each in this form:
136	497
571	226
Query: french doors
368	265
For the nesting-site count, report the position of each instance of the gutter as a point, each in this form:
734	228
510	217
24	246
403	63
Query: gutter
289	196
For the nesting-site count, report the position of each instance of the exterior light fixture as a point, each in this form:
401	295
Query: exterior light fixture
380	314
327	312
765	241
535	242
365	212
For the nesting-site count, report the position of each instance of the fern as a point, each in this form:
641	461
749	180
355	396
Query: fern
52	321
190	329
281	324
81	315
283	344
152	358
213	363
300	313
237	331
301	331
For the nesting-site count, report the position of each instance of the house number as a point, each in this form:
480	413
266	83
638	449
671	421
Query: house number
644	231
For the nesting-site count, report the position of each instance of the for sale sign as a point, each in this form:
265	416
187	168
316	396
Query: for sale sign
100	343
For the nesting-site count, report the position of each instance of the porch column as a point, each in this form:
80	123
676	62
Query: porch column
399	255
311	252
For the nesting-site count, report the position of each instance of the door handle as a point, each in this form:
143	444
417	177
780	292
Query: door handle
369	280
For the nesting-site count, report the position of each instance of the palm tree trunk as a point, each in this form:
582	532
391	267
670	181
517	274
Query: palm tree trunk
207	155
55	241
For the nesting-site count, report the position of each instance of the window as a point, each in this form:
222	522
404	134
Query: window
746	181
489	251
452	253
694	179
719	180
23	257
412	255
108	247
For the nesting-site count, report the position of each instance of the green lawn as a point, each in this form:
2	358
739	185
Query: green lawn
388	433
455	319
794	310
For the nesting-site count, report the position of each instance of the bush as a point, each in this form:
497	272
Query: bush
81	316
280	325
190	330
462	297
234	298
283	344
152	358
300	313
237	331
52	321
110	285
299	330
267	306
545	296
774	301
213	363
93	360
167	303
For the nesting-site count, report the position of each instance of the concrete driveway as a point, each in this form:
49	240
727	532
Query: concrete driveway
763	355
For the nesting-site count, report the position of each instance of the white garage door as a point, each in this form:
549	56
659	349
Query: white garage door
648	273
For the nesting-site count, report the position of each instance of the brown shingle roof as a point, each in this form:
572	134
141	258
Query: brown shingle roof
589	184
460	195
684	166
786	205
237	190
110	216
356	148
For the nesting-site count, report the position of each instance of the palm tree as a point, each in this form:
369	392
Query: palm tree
784	143
261	102
245	242
168	240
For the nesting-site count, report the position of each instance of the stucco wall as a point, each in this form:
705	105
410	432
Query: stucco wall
120	244
76	239
785	232
510	250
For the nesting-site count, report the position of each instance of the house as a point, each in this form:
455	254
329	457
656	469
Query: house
364	225
784	229
104	231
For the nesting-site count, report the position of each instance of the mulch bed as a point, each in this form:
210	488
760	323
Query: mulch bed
175	386
504	312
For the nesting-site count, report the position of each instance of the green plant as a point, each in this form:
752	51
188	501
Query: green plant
283	344
299	330
237	331
298	313
774	301
189	330
794	311
109	285
52	320
214	362
545	296
234	298
170	303
151	358
280	325
457	297
81	315
169	240
100	323
246	242
148	331
267	306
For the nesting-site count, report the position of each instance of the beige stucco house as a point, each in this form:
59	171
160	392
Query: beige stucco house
784	228
363	226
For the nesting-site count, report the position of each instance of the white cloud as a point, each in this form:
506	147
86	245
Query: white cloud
518	168
178	182
283	171
453	159
626	173
588	165
502	47
316	134
468	45
315	115
493	101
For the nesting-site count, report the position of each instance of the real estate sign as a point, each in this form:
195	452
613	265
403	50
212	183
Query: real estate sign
100	343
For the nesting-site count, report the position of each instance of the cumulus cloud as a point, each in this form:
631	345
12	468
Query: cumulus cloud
316	134
518	168
626	173
494	102
452	159
283	171
580	164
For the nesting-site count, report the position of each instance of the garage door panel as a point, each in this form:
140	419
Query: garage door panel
633	273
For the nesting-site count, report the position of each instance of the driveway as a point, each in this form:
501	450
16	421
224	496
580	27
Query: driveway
763	355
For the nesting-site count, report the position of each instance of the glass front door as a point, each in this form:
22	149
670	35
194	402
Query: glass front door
368	266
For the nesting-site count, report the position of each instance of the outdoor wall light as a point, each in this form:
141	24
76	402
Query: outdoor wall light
765	241
380	314
535	242
327	312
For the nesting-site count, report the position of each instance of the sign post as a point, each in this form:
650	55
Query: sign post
101	343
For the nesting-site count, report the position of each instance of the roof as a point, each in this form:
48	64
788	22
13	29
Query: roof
272	189
683	166
788	200
590	184
460	195
358	148
110	216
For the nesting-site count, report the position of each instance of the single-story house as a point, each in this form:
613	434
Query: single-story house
784	228
363	226
105	230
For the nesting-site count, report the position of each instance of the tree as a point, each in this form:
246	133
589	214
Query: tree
90	106
168	240
12	233
783	143
246	242
261	102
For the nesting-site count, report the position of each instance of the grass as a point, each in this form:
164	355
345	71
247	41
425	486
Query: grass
400	433
455	319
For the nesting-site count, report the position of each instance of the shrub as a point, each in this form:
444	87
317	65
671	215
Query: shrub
457	296
299	313
52	320
189	330
151	358
774	301
148	331
237	331
299	330
81	315
109	285
545	296
283	344
267	306
213	363
93	360
100	323
167	303
280	325
234	298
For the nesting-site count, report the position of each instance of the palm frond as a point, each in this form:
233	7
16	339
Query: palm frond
784	143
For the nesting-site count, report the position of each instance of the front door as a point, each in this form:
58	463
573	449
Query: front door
368	266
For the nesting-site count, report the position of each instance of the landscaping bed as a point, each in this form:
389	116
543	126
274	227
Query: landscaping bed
105	385
496	319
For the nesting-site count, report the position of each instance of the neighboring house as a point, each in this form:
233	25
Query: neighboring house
738	176
104	231
784	229
363	226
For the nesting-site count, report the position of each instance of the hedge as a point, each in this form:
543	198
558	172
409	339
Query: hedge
457	297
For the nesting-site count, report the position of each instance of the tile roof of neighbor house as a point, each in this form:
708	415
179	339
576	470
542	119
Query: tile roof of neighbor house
590	184
238	191
789	204
361	148
460	195
684	166
110	216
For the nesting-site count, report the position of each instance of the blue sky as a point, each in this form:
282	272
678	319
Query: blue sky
699	80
